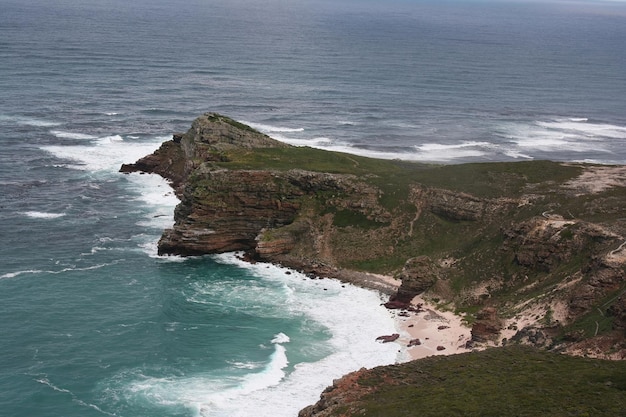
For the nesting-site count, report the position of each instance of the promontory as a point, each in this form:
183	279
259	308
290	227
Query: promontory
532	253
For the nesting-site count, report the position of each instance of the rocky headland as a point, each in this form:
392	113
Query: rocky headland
528	253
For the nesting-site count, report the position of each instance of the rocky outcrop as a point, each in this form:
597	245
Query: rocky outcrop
457	206
169	161
417	275
209	138
545	242
248	210
487	325
548	244
226	210
341	395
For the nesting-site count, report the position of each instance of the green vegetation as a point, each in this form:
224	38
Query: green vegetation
511	381
347	218
486	180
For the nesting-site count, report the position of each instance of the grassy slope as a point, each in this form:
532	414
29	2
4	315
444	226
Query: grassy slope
512	381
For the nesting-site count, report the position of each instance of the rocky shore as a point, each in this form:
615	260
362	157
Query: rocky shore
524	253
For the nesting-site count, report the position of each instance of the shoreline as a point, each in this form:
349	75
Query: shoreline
423	330
439	332
430	331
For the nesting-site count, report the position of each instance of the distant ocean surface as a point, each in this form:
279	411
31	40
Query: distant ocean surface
93	322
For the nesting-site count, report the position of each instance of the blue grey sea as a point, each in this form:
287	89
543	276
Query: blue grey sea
93	322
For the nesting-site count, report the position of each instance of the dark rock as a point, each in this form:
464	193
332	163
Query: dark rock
397	305
388	338
533	336
414	342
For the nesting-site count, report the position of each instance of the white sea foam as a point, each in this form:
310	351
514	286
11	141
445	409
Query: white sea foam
155	194
71	135
428	152
105	153
60	271
245	365
18	273
281	338
449	152
319	142
517	154
582	128
576	135
353	316
527	140
77	400
27	121
271	375
45	381
43	215
207	393
267	129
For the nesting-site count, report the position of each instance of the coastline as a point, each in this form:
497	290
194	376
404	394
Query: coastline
423	330
430	331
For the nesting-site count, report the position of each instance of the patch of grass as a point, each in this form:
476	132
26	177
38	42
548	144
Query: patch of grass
510	381
591	324
378	265
346	218
498	179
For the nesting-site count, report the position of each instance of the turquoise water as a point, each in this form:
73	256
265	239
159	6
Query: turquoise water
93	322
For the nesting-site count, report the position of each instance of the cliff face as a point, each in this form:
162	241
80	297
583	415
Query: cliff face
540	245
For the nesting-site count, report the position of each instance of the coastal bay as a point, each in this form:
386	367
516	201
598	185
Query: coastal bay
517	108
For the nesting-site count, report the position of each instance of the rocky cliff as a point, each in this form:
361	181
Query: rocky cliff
529	252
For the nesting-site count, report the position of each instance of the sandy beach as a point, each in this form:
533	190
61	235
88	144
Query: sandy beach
430	331
426	331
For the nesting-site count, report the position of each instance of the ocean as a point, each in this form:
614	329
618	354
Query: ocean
93	322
